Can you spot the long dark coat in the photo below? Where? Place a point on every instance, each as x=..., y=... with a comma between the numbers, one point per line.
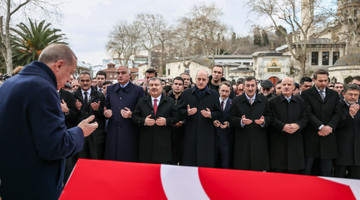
x=122, y=135
x=95, y=143
x=155, y=141
x=319, y=113
x=34, y=141
x=287, y=150
x=251, y=141
x=348, y=137
x=199, y=131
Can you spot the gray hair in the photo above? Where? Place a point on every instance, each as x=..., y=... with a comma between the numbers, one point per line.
x=56, y=52
x=351, y=87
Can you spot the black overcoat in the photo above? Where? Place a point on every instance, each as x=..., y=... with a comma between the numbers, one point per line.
x=199, y=136
x=348, y=137
x=319, y=113
x=251, y=141
x=155, y=141
x=287, y=150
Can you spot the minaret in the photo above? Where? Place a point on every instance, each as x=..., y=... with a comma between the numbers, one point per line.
x=307, y=17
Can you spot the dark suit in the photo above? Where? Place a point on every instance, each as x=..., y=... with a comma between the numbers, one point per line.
x=224, y=139
x=286, y=150
x=199, y=141
x=348, y=137
x=319, y=113
x=155, y=141
x=177, y=136
x=94, y=144
x=34, y=141
x=250, y=141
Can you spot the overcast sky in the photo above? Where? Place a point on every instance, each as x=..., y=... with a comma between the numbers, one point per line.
x=87, y=23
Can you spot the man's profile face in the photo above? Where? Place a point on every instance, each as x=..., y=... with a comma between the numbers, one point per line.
x=100, y=80
x=85, y=82
x=250, y=87
x=65, y=70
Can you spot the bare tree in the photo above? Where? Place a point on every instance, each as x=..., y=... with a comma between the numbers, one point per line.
x=287, y=13
x=151, y=29
x=123, y=41
x=9, y=8
x=202, y=31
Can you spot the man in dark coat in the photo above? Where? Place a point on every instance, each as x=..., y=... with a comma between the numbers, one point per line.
x=34, y=141
x=216, y=78
x=68, y=107
x=250, y=116
x=223, y=133
x=122, y=135
x=155, y=114
x=348, y=135
x=178, y=129
x=200, y=106
x=285, y=139
x=91, y=102
x=319, y=136
x=266, y=89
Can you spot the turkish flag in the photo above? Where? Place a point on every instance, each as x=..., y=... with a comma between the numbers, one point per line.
x=93, y=179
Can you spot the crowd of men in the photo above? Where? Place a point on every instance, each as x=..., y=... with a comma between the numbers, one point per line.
x=306, y=128
x=310, y=128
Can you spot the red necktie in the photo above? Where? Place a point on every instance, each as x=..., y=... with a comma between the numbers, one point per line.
x=155, y=106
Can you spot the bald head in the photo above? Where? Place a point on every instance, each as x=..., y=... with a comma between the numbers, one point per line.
x=202, y=79
x=56, y=52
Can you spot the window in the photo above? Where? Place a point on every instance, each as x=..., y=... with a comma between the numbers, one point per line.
x=325, y=58
x=168, y=71
x=314, y=58
x=336, y=56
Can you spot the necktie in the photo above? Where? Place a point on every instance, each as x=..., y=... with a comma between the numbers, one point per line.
x=222, y=105
x=251, y=101
x=322, y=94
x=85, y=98
x=155, y=106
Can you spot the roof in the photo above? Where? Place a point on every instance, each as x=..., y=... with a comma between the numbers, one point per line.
x=350, y=59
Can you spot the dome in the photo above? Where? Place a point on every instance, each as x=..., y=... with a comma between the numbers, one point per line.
x=351, y=59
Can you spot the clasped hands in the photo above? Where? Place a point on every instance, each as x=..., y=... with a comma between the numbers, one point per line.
x=247, y=121
x=160, y=121
x=325, y=131
x=291, y=128
x=192, y=111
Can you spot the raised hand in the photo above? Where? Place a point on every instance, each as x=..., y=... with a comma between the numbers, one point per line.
x=95, y=105
x=206, y=113
x=107, y=113
x=191, y=111
x=149, y=121
x=78, y=104
x=126, y=113
x=64, y=107
x=88, y=127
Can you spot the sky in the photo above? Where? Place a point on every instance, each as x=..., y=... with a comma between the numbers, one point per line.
x=87, y=23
